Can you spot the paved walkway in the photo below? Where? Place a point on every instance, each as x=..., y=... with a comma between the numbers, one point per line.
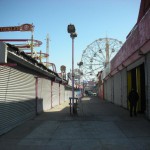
x=100, y=125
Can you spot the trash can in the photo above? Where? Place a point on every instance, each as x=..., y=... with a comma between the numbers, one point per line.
x=73, y=105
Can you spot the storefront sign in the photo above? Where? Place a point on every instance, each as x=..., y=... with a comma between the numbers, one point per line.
x=24, y=27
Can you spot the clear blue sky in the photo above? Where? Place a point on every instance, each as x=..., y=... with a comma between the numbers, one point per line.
x=93, y=19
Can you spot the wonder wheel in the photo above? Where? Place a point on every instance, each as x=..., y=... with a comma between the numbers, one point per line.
x=97, y=56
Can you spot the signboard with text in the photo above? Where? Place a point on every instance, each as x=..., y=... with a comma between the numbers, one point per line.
x=24, y=27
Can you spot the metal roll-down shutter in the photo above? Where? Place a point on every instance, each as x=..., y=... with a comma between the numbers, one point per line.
x=117, y=88
x=55, y=94
x=17, y=97
x=44, y=94
x=62, y=94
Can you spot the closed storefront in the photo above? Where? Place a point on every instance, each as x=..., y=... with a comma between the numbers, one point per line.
x=62, y=93
x=55, y=94
x=112, y=89
x=130, y=68
x=124, y=88
x=109, y=89
x=117, y=88
x=101, y=91
x=68, y=93
x=17, y=97
x=147, y=75
x=44, y=93
x=105, y=90
x=26, y=87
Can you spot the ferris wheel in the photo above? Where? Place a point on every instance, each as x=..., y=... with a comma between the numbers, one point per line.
x=97, y=55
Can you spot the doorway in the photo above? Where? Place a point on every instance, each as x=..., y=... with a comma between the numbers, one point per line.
x=136, y=80
x=142, y=88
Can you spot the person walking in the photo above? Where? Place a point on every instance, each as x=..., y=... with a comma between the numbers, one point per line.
x=133, y=99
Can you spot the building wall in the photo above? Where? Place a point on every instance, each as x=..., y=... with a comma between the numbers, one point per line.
x=101, y=91
x=23, y=94
x=112, y=89
x=107, y=85
x=44, y=94
x=117, y=88
x=105, y=90
x=147, y=75
x=131, y=67
x=62, y=93
x=119, y=85
x=124, y=88
x=55, y=94
x=17, y=97
x=68, y=93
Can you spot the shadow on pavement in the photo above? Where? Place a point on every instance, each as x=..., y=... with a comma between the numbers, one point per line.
x=98, y=125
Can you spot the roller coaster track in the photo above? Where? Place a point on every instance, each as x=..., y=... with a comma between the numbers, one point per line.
x=27, y=45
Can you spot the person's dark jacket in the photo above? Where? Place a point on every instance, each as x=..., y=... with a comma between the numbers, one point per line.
x=133, y=97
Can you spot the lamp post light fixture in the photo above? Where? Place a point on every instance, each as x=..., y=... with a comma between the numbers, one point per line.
x=71, y=29
x=63, y=71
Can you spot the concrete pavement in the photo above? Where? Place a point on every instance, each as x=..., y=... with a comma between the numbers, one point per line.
x=100, y=125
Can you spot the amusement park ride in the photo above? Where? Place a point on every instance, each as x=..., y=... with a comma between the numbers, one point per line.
x=97, y=56
x=29, y=44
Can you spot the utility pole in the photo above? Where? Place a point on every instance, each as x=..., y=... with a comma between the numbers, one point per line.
x=47, y=49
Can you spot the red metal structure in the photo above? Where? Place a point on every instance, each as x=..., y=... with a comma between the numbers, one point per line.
x=26, y=45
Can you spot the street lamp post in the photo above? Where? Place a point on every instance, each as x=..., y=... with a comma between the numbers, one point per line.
x=71, y=30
